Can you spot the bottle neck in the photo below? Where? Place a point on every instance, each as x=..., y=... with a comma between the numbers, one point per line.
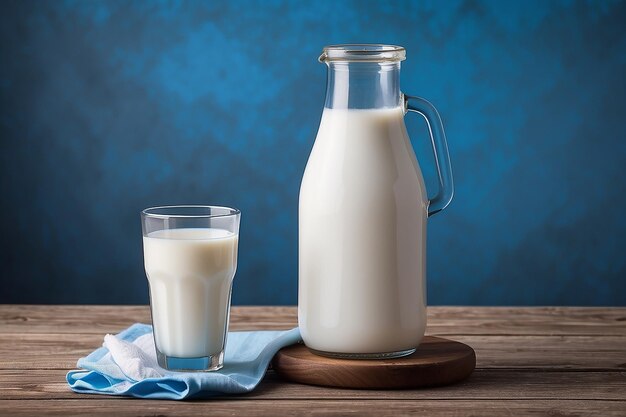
x=363, y=85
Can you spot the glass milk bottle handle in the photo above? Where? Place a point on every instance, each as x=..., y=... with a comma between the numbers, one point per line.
x=440, y=150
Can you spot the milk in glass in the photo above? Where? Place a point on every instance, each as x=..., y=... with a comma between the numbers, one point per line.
x=190, y=272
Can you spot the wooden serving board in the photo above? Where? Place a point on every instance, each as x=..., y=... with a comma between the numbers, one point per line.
x=436, y=362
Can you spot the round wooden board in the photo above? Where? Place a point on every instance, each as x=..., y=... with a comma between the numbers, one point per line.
x=436, y=361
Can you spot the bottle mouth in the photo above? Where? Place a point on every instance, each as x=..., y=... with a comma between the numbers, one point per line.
x=362, y=53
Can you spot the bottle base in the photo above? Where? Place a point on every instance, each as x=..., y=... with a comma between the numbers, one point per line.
x=383, y=355
x=200, y=364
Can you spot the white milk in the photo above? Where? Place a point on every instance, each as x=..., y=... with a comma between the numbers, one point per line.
x=362, y=237
x=190, y=273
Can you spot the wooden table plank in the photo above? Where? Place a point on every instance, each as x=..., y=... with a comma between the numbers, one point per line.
x=62, y=350
x=442, y=321
x=112, y=319
x=360, y=407
x=483, y=384
x=526, y=321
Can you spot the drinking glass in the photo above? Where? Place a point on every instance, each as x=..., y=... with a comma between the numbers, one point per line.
x=190, y=257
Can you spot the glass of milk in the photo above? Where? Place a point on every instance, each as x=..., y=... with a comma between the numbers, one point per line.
x=190, y=256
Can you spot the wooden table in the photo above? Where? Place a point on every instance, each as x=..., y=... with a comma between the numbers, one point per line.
x=547, y=360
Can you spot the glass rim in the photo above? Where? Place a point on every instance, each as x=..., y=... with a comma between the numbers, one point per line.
x=363, y=52
x=148, y=212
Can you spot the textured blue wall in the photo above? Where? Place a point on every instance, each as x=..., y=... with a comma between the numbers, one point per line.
x=108, y=107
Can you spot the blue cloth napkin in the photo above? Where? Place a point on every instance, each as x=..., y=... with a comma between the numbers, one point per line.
x=245, y=361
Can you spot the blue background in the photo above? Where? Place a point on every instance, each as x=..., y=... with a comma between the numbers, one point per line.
x=110, y=107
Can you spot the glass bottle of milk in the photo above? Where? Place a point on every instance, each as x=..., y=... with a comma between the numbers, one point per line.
x=363, y=209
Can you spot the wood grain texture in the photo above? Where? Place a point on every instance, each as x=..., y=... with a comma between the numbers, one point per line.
x=530, y=361
x=361, y=407
x=436, y=362
x=62, y=350
x=442, y=321
x=482, y=384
